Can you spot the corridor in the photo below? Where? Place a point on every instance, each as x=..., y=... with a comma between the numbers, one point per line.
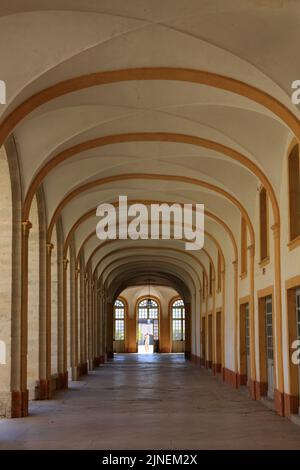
x=149, y=224
x=157, y=401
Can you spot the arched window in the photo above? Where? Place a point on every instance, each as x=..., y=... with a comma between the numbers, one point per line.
x=263, y=209
x=178, y=320
x=294, y=192
x=119, y=320
x=148, y=310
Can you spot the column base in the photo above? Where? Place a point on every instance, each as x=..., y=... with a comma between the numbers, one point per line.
x=99, y=360
x=62, y=381
x=279, y=402
x=230, y=377
x=261, y=390
x=242, y=379
x=19, y=403
x=82, y=369
x=216, y=368
x=196, y=360
x=252, y=389
x=202, y=361
x=44, y=389
x=291, y=405
x=208, y=364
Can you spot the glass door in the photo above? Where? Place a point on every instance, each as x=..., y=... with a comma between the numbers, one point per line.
x=148, y=328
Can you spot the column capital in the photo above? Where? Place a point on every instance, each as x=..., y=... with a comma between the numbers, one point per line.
x=251, y=249
x=65, y=263
x=26, y=226
x=77, y=272
x=50, y=247
x=276, y=230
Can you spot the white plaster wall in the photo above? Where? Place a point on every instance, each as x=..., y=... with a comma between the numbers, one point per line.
x=6, y=273
x=290, y=259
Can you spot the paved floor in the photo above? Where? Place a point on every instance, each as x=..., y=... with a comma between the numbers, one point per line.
x=150, y=402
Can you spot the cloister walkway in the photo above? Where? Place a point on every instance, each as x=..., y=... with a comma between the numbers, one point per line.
x=149, y=402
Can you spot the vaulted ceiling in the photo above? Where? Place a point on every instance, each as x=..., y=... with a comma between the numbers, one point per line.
x=151, y=76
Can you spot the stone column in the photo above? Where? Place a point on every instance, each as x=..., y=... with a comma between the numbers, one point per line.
x=93, y=322
x=45, y=331
x=83, y=363
x=214, y=326
x=64, y=376
x=90, y=326
x=74, y=316
x=62, y=381
x=20, y=397
x=236, y=321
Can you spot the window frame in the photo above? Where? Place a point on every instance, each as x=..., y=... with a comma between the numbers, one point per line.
x=180, y=319
x=118, y=319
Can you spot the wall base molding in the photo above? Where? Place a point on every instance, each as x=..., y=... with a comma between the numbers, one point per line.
x=216, y=368
x=242, y=380
x=5, y=404
x=196, y=359
x=284, y=404
x=279, y=402
x=291, y=405
x=230, y=377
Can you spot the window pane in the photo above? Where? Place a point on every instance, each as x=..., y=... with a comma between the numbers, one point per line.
x=119, y=330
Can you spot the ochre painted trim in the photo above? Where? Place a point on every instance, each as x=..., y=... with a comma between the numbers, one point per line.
x=292, y=282
x=148, y=176
x=294, y=243
x=264, y=262
x=151, y=137
x=265, y=292
x=244, y=300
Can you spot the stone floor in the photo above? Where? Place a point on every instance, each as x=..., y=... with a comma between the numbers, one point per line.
x=150, y=402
